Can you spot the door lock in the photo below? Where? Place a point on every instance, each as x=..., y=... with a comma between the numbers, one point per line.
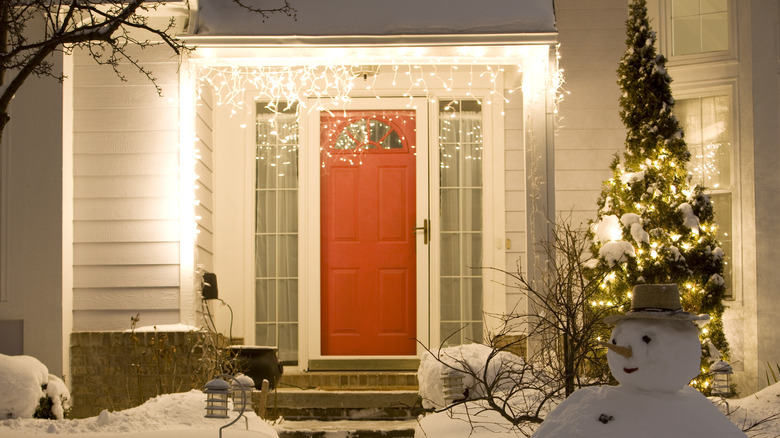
x=426, y=231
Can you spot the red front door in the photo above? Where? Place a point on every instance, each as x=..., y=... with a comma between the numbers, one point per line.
x=368, y=242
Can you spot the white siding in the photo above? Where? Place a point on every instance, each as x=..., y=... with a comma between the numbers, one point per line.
x=588, y=130
x=514, y=169
x=126, y=194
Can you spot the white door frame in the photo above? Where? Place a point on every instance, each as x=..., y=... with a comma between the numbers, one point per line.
x=310, y=220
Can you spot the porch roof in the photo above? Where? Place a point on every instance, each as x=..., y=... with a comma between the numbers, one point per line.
x=377, y=22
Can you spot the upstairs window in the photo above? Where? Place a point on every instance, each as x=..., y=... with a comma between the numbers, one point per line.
x=699, y=26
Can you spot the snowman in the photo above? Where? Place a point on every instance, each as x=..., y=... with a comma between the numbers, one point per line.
x=654, y=352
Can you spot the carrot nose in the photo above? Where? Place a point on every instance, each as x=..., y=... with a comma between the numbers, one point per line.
x=623, y=351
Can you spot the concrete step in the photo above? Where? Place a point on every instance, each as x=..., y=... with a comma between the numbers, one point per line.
x=311, y=404
x=346, y=428
x=351, y=380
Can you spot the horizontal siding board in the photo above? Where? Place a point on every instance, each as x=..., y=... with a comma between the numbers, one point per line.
x=205, y=176
x=206, y=156
x=126, y=298
x=204, y=198
x=515, y=221
x=126, y=253
x=203, y=124
x=514, y=160
x=591, y=139
x=515, y=180
x=150, y=55
x=86, y=75
x=135, y=186
x=206, y=218
x=119, y=320
x=128, y=142
x=125, y=96
x=515, y=200
x=91, y=231
x=205, y=239
x=582, y=159
x=126, y=208
x=149, y=119
x=204, y=258
x=126, y=276
x=581, y=179
x=576, y=200
x=158, y=163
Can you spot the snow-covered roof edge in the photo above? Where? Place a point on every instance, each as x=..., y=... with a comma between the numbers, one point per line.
x=371, y=21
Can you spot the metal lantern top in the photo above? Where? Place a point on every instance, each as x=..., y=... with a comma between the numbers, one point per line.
x=217, y=391
x=243, y=386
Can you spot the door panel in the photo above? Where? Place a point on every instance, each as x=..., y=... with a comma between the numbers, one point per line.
x=368, y=256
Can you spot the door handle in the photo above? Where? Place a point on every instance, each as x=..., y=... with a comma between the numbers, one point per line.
x=426, y=231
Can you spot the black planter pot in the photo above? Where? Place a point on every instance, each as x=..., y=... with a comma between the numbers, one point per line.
x=258, y=363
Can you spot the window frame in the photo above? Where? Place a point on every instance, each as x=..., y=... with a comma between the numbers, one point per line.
x=666, y=44
x=727, y=88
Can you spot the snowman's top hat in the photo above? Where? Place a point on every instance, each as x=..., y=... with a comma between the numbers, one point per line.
x=656, y=301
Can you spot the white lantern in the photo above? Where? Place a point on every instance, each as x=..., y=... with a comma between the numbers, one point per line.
x=721, y=378
x=217, y=391
x=242, y=393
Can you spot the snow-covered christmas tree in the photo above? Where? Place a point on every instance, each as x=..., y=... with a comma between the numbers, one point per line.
x=652, y=226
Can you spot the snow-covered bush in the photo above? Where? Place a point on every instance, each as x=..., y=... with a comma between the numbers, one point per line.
x=30, y=391
x=472, y=359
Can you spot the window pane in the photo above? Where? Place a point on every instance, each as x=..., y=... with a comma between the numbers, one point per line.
x=714, y=32
x=472, y=211
x=682, y=8
x=288, y=343
x=450, y=165
x=288, y=300
x=451, y=333
x=686, y=34
x=287, y=262
x=265, y=334
x=472, y=298
x=265, y=301
x=709, y=6
x=450, y=209
x=450, y=299
x=265, y=204
x=265, y=255
x=450, y=254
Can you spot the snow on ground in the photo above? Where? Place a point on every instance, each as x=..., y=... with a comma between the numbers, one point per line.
x=488, y=424
x=180, y=415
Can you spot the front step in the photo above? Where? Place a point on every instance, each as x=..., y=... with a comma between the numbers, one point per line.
x=348, y=428
x=311, y=404
x=351, y=380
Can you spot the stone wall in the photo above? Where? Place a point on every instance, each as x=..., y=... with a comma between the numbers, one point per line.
x=119, y=370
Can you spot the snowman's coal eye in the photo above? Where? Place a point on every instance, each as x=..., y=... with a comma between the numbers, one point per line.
x=614, y=341
x=646, y=339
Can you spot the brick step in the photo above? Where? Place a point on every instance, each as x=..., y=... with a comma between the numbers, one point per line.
x=351, y=380
x=346, y=428
x=297, y=404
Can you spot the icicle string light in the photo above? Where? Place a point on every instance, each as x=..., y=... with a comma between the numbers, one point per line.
x=318, y=87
